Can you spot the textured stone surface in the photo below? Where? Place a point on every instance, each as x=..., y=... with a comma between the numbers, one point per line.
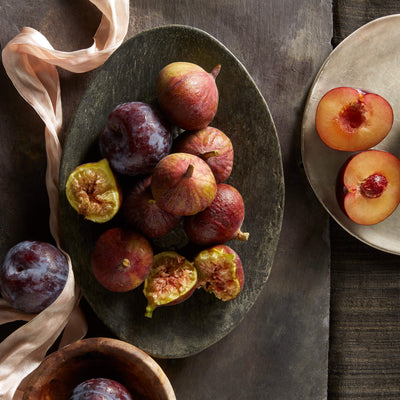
x=130, y=75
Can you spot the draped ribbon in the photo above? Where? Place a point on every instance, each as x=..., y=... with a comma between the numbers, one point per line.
x=31, y=63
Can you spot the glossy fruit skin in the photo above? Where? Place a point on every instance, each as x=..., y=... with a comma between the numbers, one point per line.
x=220, y=271
x=93, y=191
x=210, y=144
x=350, y=119
x=134, y=138
x=188, y=95
x=121, y=259
x=172, y=280
x=100, y=389
x=141, y=212
x=33, y=275
x=221, y=221
x=183, y=184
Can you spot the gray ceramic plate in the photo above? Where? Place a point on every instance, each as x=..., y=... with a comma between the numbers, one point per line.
x=368, y=59
x=130, y=74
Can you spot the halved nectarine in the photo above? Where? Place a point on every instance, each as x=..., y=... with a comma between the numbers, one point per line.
x=369, y=186
x=350, y=119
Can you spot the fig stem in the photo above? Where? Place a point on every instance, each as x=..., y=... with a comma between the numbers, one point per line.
x=189, y=171
x=125, y=263
x=242, y=236
x=149, y=311
x=208, y=154
x=215, y=71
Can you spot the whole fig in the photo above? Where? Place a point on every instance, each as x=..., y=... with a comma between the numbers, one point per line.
x=219, y=222
x=121, y=259
x=183, y=184
x=210, y=144
x=188, y=94
x=134, y=138
x=140, y=211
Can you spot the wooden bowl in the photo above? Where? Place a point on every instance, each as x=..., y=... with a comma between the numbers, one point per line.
x=63, y=370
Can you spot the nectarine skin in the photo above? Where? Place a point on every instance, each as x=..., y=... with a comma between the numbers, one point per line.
x=369, y=186
x=349, y=119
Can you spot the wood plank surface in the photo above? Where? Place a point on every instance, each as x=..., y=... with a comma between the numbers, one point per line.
x=280, y=350
x=364, y=356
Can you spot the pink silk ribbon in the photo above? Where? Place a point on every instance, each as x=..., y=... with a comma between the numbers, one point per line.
x=31, y=63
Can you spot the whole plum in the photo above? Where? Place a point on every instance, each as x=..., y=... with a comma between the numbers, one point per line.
x=100, y=389
x=33, y=275
x=134, y=138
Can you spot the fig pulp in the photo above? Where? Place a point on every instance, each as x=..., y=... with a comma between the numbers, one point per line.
x=219, y=222
x=210, y=144
x=93, y=191
x=121, y=259
x=135, y=138
x=183, y=184
x=100, y=389
x=140, y=211
x=33, y=275
x=188, y=95
x=220, y=271
x=172, y=279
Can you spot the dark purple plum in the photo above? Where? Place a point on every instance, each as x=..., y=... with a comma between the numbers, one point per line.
x=32, y=275
x=100, y=389
x=134, y=138
x=140, y=211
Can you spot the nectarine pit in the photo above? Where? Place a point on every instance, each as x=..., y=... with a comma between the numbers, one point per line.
x=374, y=186
x=352, y=116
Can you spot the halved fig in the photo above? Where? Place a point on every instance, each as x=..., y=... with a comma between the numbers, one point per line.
x=220, y=272
x=93, y=191
x=172, y=279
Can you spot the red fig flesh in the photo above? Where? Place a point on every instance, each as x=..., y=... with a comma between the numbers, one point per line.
x=220, y=271
x=188, y=94
x=219, y=222
x=183, y=184
x=172, y=280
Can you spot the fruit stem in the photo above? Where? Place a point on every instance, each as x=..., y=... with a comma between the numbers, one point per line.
x=189, y=171
x=149, y=311
x=215, y=71
x=124, y=264
x=243, y=236
x=208, y=154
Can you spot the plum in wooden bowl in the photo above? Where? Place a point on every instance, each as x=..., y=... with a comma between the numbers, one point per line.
x=109, y=359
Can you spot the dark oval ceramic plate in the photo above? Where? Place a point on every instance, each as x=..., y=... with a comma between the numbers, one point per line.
x=130, y=75
x=367, y=59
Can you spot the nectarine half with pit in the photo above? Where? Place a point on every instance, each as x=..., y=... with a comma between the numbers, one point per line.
x=350, y=119
x=369, y=186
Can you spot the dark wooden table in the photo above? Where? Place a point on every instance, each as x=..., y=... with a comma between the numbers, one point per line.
x=284, y=349
x=364, y=354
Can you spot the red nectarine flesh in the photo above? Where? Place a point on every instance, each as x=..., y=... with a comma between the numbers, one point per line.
x=370, y=186
x=350, y=119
